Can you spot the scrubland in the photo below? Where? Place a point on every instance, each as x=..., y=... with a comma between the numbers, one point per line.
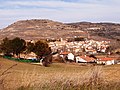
x=58, y=76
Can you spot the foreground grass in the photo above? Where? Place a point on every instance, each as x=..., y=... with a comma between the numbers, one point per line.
x=58, y=76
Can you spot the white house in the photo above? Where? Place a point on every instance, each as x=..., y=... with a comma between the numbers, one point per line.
x=84, y=59
x=69, y=55
x=106, y=61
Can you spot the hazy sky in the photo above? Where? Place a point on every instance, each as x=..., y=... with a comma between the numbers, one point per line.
x=59, y=10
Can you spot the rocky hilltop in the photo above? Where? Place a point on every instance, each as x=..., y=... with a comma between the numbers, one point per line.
x=45, y=29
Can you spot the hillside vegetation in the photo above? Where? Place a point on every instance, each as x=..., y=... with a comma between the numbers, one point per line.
x=42, y=29
x=38, y=29
x=59, y=76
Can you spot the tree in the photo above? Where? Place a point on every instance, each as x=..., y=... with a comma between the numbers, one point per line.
x=18, y=45
x=79, y=39
x=30, y=47
x=14, y=46
x=6, y=46
x=41, y=49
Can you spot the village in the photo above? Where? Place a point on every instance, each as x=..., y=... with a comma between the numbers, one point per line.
x=86, y=51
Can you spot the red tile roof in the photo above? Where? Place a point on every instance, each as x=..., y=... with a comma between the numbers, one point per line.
x=106, y=59
x=87, y=58
x=64, y=53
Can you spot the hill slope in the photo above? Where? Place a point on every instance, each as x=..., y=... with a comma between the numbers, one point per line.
x=105, y=30
x=42, y=29
x=37, y=29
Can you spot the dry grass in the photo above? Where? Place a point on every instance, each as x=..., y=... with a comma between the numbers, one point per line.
x=58, y=76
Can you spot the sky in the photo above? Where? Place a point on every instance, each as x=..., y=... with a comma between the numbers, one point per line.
x=59, y=10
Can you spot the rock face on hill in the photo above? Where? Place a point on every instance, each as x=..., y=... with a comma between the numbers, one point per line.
x=45, y=29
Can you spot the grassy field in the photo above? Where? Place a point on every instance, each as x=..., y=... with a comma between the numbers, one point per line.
x=59, y=76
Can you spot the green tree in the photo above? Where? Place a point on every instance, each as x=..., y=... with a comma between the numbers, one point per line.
x=5, y=46
x=18, y=45
x=43, y=51
x=41, y=48
x=30, y=47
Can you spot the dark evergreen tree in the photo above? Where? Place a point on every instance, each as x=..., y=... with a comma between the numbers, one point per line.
x=30, y=47
x=18, y=45
x=5, y=46
x=41, y=49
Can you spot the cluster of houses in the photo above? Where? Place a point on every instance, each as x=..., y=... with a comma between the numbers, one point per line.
x=88, y=59
x=87, y=46
x=69, y=51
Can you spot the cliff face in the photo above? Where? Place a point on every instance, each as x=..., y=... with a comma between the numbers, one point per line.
x=43, y=29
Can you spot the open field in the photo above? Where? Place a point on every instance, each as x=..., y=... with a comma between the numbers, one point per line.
x=59, y=76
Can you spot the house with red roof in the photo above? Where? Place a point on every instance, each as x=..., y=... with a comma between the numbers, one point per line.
x=67, y=56
x=106, y=61
x=85, y=59
x=64, y=53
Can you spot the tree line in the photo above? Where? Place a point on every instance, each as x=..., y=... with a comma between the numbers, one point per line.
x=16, y=46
